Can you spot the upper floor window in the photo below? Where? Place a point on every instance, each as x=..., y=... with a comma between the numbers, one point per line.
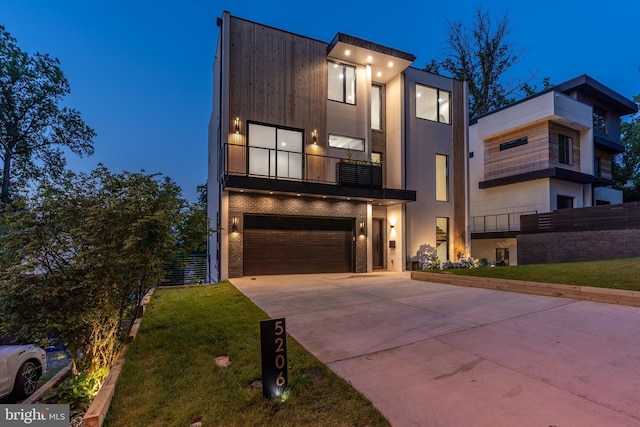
x=433, y=104
x=442, y=178
x=597, y=167
x=376, y=107
x=342, y=83
x=275, y=152
x=599, y=119
x=346, y=142
x=565, y=144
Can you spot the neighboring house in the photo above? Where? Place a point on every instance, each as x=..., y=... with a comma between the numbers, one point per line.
x=553, y=150
x=330, y=157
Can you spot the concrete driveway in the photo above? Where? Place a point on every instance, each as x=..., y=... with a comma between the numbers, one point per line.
x=429, y=354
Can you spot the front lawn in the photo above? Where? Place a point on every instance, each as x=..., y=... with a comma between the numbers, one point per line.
x=615, y=273
x=170, y=377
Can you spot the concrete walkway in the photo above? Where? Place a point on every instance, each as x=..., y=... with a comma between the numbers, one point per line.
x=429, y=354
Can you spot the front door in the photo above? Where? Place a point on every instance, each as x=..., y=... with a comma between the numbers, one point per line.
x=378, y=243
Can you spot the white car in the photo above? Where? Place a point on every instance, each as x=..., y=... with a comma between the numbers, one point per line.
x=20, y=368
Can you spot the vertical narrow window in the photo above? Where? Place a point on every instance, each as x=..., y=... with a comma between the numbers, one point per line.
x=342, y=82
x=597, y=167
x=442, y=238
x=376, y=107
x=442, y=178
x=433, y=104
x=599, y=119
x=565, y=144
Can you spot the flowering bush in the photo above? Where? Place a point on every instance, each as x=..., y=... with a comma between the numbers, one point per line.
x=432, y=262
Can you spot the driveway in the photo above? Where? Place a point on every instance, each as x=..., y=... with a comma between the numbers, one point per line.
x=429, y=354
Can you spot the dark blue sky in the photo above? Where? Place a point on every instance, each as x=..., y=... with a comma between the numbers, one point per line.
x=140, y=71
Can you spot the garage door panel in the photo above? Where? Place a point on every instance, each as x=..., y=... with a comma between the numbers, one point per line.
x=296, y=251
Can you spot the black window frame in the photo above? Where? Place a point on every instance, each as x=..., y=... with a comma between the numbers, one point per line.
x=565, y=149
x=599, y=119
x=344, y=83
x=438, y=90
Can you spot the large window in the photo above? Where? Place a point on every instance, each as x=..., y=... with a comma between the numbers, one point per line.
x=342, y=83
x=275, y=152
x=599, y=119
x=376, y=107
x=565, y=144
x=346, y=142
x=442, y=238
x=564, y=202
x=442, y=178
x=433, y=104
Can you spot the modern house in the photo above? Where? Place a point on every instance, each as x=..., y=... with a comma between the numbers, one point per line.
x=330, y=156
x=553, y=150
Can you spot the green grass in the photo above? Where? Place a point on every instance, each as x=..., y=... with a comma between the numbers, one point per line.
x=616, y=273
x=170, y=377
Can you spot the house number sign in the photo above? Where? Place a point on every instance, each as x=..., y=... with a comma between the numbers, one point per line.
x=273, y=340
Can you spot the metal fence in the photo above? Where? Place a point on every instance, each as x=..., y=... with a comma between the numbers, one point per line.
x=188, y=269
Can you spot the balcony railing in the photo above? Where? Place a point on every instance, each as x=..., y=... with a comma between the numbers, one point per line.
x=259, y=162
x=497, y=223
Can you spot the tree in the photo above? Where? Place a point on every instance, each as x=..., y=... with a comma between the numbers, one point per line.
x=81, y=254
x=626, y=166
x=33, y=127
x=481, y=55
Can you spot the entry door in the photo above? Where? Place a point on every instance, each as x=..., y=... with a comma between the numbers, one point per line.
x=378, y=244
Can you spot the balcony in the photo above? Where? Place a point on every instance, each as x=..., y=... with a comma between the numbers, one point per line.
x=267, y=169
x=497, y=225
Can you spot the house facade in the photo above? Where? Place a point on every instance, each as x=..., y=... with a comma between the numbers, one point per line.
x=330, y=156
x=551, y=151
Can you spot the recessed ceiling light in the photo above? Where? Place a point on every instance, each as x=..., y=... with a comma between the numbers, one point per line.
x=390, y=64
x=347, y=52
x=379, y=74
x=369, y=58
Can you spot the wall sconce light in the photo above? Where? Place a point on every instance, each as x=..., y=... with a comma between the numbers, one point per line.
x=362, y=229
x=234, y=224
x=392, y=226
x=236, y=124
x=314, y=137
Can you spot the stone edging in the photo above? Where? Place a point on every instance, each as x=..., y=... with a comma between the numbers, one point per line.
x=605, y=295
x=98, y=410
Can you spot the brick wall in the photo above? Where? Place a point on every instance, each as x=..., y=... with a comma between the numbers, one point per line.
x=240, y=204
x=578, y=246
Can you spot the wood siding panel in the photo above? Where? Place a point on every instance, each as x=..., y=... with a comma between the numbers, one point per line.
x=280, y=79
x=530, y=157
x=459, y=166
x=605, y=163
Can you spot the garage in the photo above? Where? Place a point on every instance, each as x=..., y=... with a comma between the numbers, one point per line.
x=277, y=244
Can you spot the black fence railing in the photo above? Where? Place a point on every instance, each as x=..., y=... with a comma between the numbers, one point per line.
x=188, y=269
x=497, y=222
x=240, y=160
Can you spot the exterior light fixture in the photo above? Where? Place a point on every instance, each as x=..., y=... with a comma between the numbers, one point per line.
x=234, y=224
x=314, y=137
x=362, y=229
x=392, y=226
x=236, y=124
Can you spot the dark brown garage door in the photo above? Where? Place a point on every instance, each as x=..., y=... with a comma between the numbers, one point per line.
x=292, y=244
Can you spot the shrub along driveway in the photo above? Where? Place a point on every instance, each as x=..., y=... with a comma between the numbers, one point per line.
x=431, y=354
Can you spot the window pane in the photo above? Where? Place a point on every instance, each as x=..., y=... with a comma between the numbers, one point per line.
x=442, y=238
x=426, y=103
x=262, y=141
x=376, y=107
x=350, y=84
x=336, y=83
x=445, y=106
x=442, y=178
x=262, y=136
x=289, y=161
x=346, y=142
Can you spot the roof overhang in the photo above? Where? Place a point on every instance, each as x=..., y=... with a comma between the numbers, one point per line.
x=385, y=62
x=557, y=173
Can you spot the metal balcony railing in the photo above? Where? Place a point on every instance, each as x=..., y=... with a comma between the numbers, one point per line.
x=497, y=222
x=259, y=162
